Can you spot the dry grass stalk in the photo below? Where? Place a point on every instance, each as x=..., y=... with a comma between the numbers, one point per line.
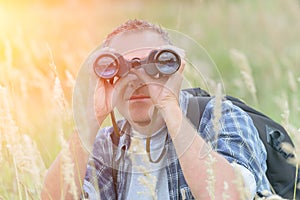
x=294, y=134
x=26, y=158
x=67, y=168
x=61, y=105
x=34, y=164
x=146, y=179
x=70, y=79
x=210, y=162
x=211, y=179
x=292, y=81
x=207, y=147
x=59, y=97
x=58, y=92
x=224, y=193
x=217, y=113
x=17, y=178
x=149, y=181
x=242, y=62
x=217, y=109
x=286, y=113
x=8, y=128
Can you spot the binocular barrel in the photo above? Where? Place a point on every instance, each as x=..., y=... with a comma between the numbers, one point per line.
x=108, y=65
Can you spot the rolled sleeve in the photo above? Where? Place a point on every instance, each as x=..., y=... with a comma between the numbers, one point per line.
x=248, y=179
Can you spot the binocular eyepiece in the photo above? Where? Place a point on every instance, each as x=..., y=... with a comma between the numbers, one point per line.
x=108, y=65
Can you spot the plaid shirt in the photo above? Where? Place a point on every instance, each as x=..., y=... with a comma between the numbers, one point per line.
x=237, y=140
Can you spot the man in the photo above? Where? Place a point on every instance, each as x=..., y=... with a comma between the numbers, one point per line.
x=178, y=164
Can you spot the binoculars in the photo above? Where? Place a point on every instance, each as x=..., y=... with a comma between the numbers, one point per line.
x=108, y=65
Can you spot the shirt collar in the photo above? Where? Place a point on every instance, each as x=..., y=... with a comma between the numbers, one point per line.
x=125, y=140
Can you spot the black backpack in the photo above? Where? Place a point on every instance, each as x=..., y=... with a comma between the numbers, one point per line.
x=280, y=173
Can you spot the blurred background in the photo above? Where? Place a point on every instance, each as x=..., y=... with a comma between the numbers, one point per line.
x=254, y=44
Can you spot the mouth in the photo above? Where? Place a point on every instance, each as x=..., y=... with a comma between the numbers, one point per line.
x=139, y=94
x=139, y=97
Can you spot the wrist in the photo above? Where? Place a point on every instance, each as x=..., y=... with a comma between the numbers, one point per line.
x=172, y=115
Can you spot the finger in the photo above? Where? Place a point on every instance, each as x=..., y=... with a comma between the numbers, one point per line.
x=101, y=86
x=103, y=103
x=102, y=93
x=120, y=87
x=182, y=66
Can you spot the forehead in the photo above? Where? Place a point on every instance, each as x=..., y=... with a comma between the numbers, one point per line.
x=137, y=39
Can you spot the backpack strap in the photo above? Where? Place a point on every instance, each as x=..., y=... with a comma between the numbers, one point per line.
x=115, y=165
x=121, y=127
x=196, y=107
x=196, y=104
x=115, y=138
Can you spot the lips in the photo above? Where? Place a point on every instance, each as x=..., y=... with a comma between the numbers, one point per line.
x=140, y=93
x=139, y=97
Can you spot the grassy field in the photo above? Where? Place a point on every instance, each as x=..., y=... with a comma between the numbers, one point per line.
x=43, y=44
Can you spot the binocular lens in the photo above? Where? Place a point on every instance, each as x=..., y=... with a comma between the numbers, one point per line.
x=106, y=66
x=167, y=62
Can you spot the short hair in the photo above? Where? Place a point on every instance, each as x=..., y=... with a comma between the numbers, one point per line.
x=136, y=24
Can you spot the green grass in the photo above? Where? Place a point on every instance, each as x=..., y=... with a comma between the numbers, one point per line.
x=34, y=35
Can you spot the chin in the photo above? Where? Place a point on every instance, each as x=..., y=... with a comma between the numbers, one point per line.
x=142, y=123
x=140, y=119
x=139, y=112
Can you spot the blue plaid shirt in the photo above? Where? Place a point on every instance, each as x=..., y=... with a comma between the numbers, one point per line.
x=238, y=141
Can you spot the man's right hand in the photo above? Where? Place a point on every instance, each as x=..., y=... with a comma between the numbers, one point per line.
x=103, y=100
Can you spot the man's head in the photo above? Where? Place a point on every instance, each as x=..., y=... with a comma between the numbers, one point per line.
x=136, y=39
x=136, y=25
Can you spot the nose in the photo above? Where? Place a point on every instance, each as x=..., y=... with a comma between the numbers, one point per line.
x=135, y=83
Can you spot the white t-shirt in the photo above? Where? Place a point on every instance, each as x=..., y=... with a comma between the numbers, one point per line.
x=147, y=180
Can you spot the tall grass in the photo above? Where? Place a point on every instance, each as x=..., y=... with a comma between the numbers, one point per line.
x=42, y=47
